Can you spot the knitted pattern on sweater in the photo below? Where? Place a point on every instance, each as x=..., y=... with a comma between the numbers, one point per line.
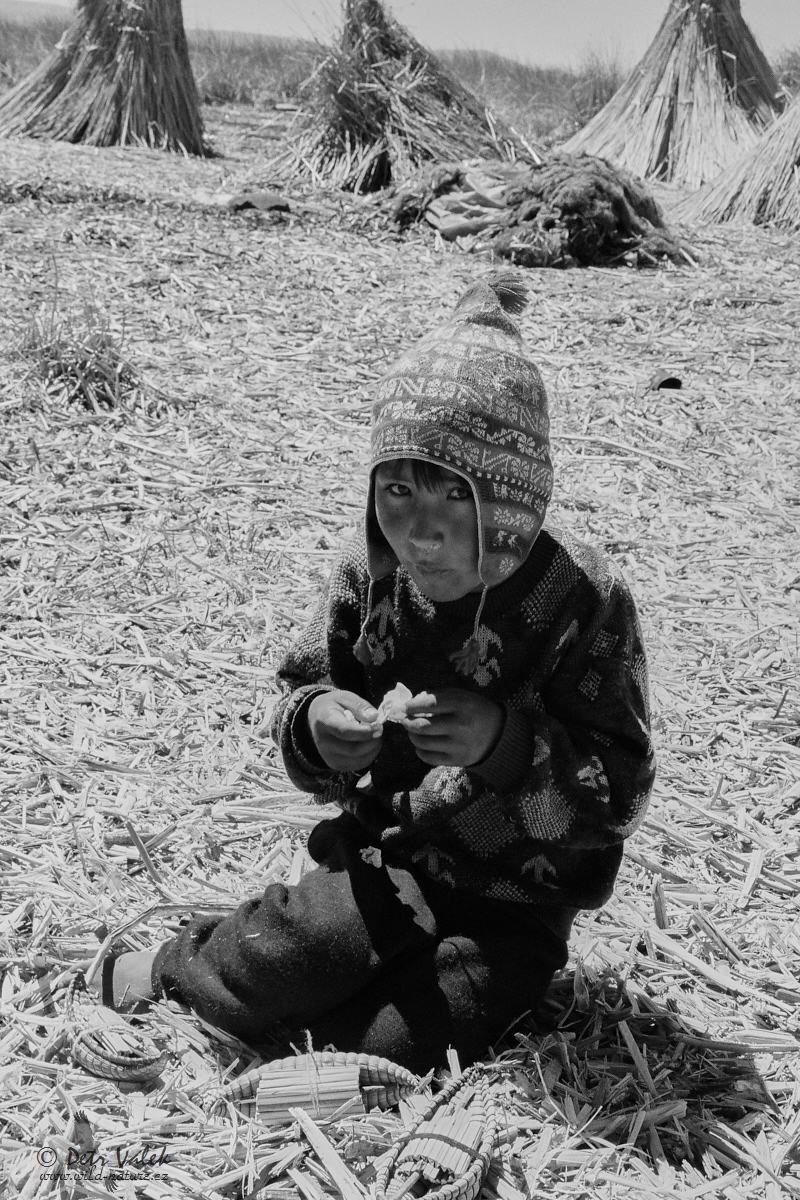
x=543, y=818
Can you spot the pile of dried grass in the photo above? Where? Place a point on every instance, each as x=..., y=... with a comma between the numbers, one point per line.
x=762, y=186
x=700, y=96
x=570, y=211
x=380, y=105
x=81, y=364
x=120, y=75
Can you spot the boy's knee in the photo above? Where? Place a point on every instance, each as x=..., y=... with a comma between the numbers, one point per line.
x=462, y=970
x=333, y=842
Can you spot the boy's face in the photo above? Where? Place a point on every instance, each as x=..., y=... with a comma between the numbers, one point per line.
x=433, y=533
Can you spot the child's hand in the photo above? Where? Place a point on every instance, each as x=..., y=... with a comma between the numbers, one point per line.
x=454, y=728
x=346, y=730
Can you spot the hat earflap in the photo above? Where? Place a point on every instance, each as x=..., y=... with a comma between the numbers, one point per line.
x=362, y=650
x=467, y=660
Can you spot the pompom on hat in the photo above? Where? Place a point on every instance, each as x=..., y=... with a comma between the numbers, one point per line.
x=468, y=398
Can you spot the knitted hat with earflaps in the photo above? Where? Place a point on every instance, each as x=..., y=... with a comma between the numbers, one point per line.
x=468, y=398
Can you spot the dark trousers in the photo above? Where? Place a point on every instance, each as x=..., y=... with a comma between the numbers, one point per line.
x=366, y=957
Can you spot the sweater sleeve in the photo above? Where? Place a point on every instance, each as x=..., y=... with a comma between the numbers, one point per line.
x=307, y=670
x=574, y=766
x=593, y=765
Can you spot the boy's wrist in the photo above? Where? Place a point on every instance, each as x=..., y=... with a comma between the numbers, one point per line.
x=509, y=761
x=303, y=742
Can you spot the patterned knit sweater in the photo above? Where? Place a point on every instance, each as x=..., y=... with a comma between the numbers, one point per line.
x=542, y=819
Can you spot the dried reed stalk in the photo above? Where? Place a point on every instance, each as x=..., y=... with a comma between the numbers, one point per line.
x=763, y=186
x=700, y=96
x=120, y=75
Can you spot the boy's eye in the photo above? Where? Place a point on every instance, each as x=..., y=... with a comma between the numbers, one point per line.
x=398, y=489
x=460, y=493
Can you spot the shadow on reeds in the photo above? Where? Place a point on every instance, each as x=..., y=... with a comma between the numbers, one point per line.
x=627, y=1070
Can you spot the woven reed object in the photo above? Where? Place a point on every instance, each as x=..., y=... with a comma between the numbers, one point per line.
x=319, y=1090
x=446, y=1152
x=382, y=1083
x=104, y=1043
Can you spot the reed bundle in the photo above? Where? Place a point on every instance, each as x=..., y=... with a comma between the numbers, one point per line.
x=120, y=75
x=763, y=186
x=444, y=1154
x=380, y=105
x=382, y=1083
x=701, y=96
x=445, y=1146
x=321, y=1090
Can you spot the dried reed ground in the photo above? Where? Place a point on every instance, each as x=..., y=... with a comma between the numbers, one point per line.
x=154, y=567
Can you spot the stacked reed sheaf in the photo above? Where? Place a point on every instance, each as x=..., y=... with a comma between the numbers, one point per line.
x=120, y=75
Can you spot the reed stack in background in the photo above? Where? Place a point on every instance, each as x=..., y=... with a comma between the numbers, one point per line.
x=700, y=97
x=761, y=186
x=120, y=75
x=380, y=105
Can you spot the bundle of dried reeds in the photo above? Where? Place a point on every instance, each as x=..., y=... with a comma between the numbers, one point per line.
x=701, y=95
x=322, y=1091
x=120, y=75
x=380, y=105
x=762, y=186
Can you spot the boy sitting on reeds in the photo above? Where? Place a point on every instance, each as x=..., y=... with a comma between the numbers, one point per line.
x=479, y=822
